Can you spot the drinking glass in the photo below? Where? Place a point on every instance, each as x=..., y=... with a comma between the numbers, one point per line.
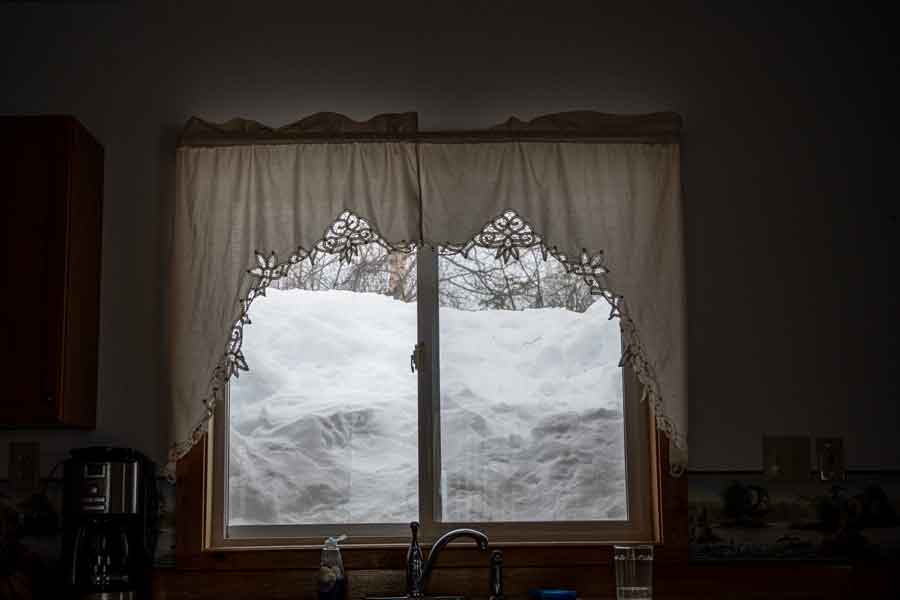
x=634, y=572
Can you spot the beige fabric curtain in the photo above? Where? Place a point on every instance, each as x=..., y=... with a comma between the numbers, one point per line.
x=274, y=191
x=232, y=201
x=619, y=199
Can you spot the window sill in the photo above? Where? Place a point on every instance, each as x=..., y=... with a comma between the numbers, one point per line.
x=192, y=523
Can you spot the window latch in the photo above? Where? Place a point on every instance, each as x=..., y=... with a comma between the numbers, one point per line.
x=415, y=359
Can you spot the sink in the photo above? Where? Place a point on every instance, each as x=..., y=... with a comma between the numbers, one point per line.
x=428, y=597
x=418, y=570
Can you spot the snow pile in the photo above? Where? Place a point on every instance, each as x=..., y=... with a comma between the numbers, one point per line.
x=323, y=427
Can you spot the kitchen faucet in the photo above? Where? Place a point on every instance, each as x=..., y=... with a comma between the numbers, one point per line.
x=417, y=570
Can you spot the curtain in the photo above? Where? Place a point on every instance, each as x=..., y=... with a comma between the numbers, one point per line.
x=250, y=200
x=242, y=206
x=616, y=203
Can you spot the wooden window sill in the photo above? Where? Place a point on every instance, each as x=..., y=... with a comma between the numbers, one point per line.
x=191, y=517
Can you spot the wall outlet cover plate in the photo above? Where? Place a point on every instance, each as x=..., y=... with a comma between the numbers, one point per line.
x=24, y=466
x=830, y=458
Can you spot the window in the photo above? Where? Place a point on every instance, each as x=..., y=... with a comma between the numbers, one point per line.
x=456, y=386
x=515, y=417
x=531, y=402
x=323, y=429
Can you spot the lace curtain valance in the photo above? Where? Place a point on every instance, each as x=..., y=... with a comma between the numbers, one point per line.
x=600, y=198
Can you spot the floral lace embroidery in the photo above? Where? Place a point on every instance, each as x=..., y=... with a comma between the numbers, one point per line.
x=506, y=234
x=350, y=231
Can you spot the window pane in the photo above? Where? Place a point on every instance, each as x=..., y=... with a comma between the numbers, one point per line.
x=532, y=422
x=324, y=426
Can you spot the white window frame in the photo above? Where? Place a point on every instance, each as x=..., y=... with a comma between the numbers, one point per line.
x=642, y=471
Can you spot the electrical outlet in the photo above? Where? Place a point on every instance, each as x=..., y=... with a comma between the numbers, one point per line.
x=830, y=458
x=24, y=466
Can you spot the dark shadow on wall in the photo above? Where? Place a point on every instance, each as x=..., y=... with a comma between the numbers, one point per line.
x=166, y=157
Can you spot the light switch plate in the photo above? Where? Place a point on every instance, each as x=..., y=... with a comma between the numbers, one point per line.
x=24, y=466
x=786, y=457
x=830, y=458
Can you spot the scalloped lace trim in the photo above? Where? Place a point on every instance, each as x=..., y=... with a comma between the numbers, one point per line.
x=506, y=234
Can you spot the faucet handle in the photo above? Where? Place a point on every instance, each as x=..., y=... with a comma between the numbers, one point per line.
x=414, y=564
x=497, y=557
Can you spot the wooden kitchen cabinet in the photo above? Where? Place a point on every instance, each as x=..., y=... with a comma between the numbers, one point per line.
x=52, y=187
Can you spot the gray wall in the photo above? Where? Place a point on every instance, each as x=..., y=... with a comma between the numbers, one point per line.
x=788, y=281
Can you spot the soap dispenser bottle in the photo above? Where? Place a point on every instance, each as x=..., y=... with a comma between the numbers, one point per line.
x=331, y=579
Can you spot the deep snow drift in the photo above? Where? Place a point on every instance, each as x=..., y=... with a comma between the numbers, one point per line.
x=323, y=427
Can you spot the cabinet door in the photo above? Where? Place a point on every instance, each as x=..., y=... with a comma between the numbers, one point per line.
x=34, y=158
x=78, y=375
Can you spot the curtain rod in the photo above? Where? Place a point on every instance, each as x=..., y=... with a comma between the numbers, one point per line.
x=431, y=137
x=575, y=127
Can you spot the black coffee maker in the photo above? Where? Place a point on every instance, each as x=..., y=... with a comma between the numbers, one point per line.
x=109, y=523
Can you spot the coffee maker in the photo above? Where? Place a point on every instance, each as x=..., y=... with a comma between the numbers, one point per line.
x=109, y=523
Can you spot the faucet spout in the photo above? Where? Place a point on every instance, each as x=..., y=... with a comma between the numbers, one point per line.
x=480, y=539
